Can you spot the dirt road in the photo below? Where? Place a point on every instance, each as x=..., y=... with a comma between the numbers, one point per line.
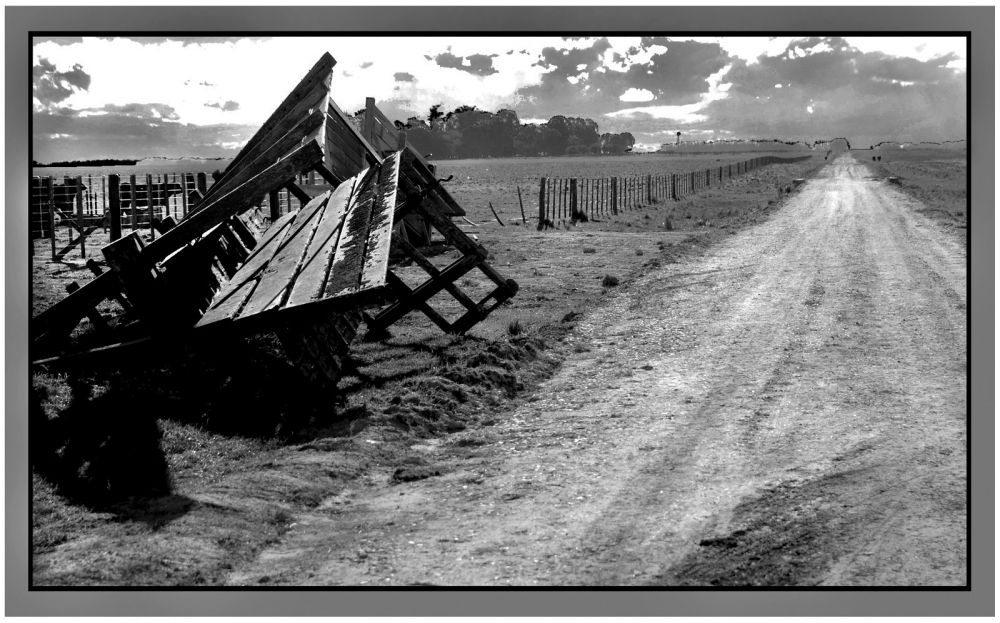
x=789, y=409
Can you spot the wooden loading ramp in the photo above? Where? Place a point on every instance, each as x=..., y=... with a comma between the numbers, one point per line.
x=312, y=276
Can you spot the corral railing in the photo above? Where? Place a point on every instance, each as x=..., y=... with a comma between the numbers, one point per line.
x=69, y=209
x=562, y=199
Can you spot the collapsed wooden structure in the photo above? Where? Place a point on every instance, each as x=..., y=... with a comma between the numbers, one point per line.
x=311, y=276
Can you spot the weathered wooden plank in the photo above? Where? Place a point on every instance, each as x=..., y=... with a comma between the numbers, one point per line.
x=230, y=300
x=300, y=194
x=336, y=112
x=320, y=73
x=417, y=169
x=340, y=162
x=380, y=230
x=271, y=153
x=96, y=319
x=234, y=202
x=137, y=277
x=316, y=266
x=348, y=261
x=369, y=126
x=283, y=268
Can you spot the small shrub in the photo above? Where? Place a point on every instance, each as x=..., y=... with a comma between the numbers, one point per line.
x=589, y=250
x=638, y=252
x=609, y=281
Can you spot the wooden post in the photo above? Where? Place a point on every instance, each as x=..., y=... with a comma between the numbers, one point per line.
x=166, y=191
x=149, y=201
x=673, y=186
x=614, y=195
x=565, y=199
x=541, y=204
x=495, y=215
x=115, y=205
x=275, y=203
x=521, y=203
x=201, y=183
x=134, y=194
x=52, y=214
x=80, y=217
x=104, y=203
x=369, y=128
x=184, y=194
x=572, y=198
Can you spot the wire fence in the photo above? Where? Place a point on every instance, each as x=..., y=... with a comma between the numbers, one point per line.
x=561, y=199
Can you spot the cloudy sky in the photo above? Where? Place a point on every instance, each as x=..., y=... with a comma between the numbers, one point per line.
x=205, y=96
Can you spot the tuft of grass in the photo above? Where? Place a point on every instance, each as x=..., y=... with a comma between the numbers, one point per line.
x=515, y=328
x=589, y=250
x=609, y=281
x=638, y=252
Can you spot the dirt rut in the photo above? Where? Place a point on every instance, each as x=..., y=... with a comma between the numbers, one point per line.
x=789, y=409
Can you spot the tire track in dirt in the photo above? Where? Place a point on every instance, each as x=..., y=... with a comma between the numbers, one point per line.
x=788, y=409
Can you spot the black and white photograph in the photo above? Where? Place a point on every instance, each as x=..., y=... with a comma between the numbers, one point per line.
x=658, y=310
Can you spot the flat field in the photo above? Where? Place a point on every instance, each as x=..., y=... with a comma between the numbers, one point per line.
x=220, y=464
x=497, y=180
x=938, y=178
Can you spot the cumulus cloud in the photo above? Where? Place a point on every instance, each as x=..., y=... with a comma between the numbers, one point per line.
x=52, y=86
x=476, y=64
x=402, y=76
x=229, y=106
x=636, y=95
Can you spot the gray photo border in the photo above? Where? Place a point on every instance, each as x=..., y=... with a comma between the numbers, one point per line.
x=980, y=21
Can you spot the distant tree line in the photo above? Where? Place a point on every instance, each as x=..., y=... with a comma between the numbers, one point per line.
x=467, y=132
x=107, y=162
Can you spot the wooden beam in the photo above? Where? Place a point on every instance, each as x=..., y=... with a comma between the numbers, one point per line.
x=234, y=202
x=424, y=292
x=300, y=194
x=320, y=73
x=72, y=308
x=270, y=154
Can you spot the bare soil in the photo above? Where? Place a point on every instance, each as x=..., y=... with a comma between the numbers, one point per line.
x=785, y=405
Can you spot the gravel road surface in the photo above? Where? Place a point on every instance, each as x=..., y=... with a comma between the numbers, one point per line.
x=787, y=409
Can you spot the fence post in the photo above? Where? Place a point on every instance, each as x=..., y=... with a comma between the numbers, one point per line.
x=614, y=195
x=115, y=205
x=275, y=205
x=133, y=218
x=166, y=191
x=541, y=205
x=80, y=217
x=184, y=193
x=572, y=199
x=149, y=202
x=52, y=214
